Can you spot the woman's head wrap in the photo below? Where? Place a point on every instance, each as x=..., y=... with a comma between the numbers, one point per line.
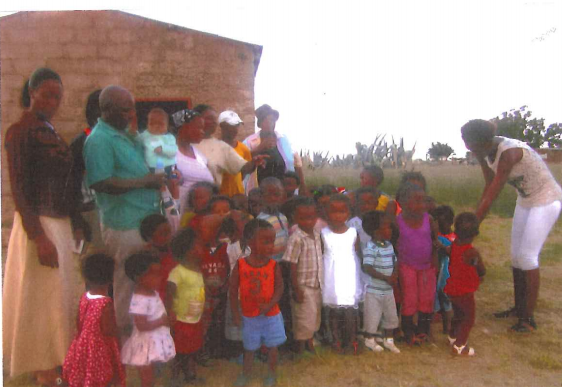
x=181, y=117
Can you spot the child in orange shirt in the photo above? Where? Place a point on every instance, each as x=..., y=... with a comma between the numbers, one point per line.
x=256, y=284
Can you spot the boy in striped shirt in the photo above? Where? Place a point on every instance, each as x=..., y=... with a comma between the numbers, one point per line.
x=379, y=263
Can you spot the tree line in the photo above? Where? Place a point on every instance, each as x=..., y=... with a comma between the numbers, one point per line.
x=518, y=124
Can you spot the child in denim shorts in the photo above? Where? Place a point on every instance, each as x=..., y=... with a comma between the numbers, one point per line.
x=256, y=285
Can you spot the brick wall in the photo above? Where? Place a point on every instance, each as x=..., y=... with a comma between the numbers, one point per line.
x=92, y=49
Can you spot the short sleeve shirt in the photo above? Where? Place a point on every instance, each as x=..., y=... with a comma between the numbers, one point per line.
x=232, y=183
x=189, y=301
x=221, y=158
x=149, y=306
x=281, y=227
x=305, y=251
x=109, y=153
x=379, y=255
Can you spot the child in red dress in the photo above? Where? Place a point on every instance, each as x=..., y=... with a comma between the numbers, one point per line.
x=466, y=269
x=215, y=268
x=93, y=358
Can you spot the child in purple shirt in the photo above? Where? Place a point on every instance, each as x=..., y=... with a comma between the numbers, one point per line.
x=417, y=261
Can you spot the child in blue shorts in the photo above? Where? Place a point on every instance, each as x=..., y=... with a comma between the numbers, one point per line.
x=256, y=285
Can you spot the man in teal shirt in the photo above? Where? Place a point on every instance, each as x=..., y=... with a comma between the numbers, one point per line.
x=126, y=192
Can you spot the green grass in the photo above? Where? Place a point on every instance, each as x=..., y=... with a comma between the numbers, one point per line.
x=459, y=186
x=550, y=255
x=546, y=362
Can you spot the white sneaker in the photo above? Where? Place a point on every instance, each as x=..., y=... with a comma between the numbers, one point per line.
x=463, y=350
x=389, y=344
x=372, y=345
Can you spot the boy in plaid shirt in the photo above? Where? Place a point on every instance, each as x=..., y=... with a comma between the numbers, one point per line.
x=304, y=254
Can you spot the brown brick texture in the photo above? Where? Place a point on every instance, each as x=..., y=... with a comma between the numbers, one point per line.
x=92, y=49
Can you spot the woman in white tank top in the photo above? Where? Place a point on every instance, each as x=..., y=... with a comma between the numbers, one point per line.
x=190, y=162
x=539, y=197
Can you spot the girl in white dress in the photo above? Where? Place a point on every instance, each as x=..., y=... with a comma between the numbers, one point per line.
x=150, y=341
x=342, y=266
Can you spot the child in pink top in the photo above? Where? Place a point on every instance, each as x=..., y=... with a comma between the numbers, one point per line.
x=417, y=260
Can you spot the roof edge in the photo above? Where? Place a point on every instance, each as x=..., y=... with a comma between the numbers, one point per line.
x=136, y=16
x=256, y=48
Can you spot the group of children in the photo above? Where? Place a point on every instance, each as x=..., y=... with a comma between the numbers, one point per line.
x=238, y=274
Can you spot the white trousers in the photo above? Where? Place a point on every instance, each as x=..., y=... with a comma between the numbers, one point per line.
x=529, y=231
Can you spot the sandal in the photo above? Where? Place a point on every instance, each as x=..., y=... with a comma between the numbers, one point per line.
x=524, y=325
x=336, y=347
x=413, y=341
x=51, y=378
x=463, y=350
x=512, y=312
x=355, y=346
x=422, y=338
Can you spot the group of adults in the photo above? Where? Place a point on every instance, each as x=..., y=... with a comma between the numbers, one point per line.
x=41, y=281
x=54, y=185
x=225, y=161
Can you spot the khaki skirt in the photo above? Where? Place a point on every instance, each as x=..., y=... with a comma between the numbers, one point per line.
x=39, y=303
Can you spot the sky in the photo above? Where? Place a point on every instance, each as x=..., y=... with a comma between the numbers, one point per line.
x=342, y=72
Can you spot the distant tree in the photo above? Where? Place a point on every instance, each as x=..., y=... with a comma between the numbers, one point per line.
x=439, y=151
x=519, y=124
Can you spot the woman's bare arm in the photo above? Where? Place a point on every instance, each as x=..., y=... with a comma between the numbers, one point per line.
x=507, y=160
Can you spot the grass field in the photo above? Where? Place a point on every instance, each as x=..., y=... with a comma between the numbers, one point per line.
x=459, y=186
x=502, y=358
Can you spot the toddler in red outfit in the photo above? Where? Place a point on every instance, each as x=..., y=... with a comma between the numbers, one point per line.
x=93, y=358
x=466, y=269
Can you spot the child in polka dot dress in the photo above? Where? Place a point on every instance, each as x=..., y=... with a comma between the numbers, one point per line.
x=150, y=341
x=93, y=357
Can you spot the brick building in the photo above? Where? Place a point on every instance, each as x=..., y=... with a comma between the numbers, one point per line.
x=92, y=49
x=551, y=155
